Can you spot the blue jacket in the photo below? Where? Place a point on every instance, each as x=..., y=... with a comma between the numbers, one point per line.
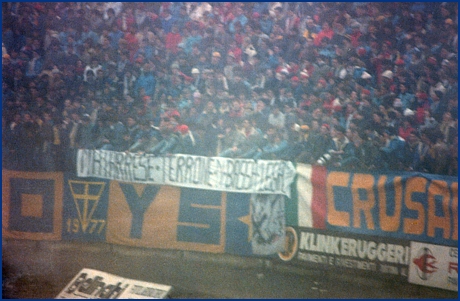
x=147, y=81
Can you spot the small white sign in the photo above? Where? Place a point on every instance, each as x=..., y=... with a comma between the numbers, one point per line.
x=94, y=284
x=433, y=265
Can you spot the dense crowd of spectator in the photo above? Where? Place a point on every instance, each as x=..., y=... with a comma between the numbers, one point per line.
x=353, y=85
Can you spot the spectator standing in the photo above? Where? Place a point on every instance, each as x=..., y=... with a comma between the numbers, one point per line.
x=276, y=118
x=29, y=143
x=393, y=149
x=47, y=135
x=169, y=141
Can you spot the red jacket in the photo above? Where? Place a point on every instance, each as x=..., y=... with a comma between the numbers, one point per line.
x=328, y=34
x=172, y=40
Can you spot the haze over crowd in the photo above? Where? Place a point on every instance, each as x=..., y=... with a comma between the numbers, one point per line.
x=355, y=85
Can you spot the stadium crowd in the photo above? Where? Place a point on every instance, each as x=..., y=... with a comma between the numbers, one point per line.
x=355, y=86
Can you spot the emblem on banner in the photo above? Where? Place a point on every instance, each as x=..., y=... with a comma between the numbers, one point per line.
x=291, y=245
x=426, y=263
x=86, y=196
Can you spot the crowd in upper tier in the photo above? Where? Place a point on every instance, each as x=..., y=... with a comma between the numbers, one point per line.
x=357, y=86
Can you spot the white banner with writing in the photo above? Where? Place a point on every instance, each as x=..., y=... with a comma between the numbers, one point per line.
x=94, y=284
x=211, y=173
x=434, y=265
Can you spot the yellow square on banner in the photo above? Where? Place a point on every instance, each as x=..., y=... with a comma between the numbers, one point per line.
x=32, y=205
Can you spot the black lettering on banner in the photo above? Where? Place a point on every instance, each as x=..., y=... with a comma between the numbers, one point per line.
x=82, y=161
x=141, y=171
x=282, y=174
x=268, y=177
x=90, y=157
x=151, y=168
x=383, y=257
x=105, y=292
x=105, y=163
x=247, y=174
x=123, y=166
x=171, y=169
x=80, y=279
x=203, y=166
x=279, y=178
x=276, y=177
x=129, y=163
x=120, y=159
x=182, y=165
x=181, y=170
x=113, y=172
x=90, y=285
x=165, y=168
x=195, y=170
x=187, y=170
x=109, y=164
x=134, y=160
x=136, y=289
x=256, y=176
x=119, y=166
x=115, y=167
x=142, y=166
x=452, y=280
x=229, y=173
x=97, y=164
x=453, y=252
x=117, y=291
x=237, y=173
x=245, y=178
x=209, y=172
x=190, y=169
x=146, y=291
x=220, y=174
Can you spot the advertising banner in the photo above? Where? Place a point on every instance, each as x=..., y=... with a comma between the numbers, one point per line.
x=210, y=173
x=408, y=206
x=94, y=284
x=435, y=266
x=327, y=250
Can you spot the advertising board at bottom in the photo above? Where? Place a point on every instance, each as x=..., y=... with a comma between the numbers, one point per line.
x=94, y=284
x=434, y=265
x=331, y=250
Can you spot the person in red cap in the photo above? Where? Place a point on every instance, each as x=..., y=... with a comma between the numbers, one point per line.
x=187, y=141
x=171, y=110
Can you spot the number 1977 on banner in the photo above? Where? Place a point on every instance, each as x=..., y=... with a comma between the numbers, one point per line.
x=93, y=225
